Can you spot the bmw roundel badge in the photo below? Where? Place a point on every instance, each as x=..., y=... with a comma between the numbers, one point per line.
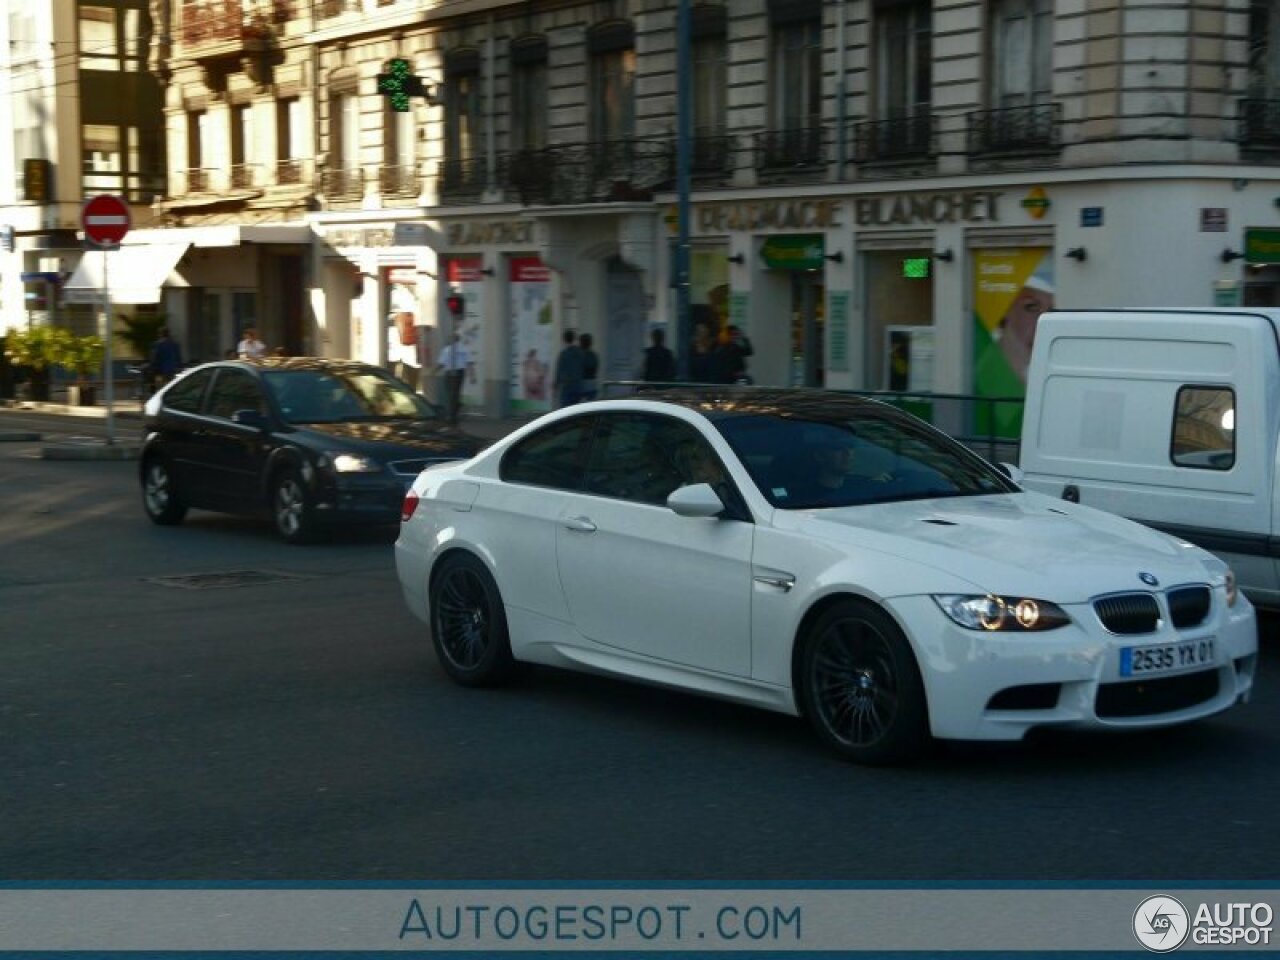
x=1149, y=579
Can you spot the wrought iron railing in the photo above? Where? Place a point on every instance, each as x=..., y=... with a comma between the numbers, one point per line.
x=197, y=180
x=801, y=147
x=399, y=181
x=243, y=176
x=342, y=183
x=288, y=172
x=324, y=9
x=712, y=154
x=902, y=138
x=461, y=179
x=246, y=24
x=1259, y=123
x=602, y=172
x=1036, y=127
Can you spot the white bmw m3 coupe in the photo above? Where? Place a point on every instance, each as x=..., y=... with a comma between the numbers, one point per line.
x=821, y=555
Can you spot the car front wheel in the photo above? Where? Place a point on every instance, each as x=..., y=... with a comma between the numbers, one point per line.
x=291, y=508
x=468, y=623
x=159, y=495
x=860, y=687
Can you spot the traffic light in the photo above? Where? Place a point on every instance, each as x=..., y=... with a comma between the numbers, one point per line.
x=399, y=84
x=455, y=304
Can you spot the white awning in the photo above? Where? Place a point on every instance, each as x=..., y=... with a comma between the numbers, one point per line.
x=133, y=274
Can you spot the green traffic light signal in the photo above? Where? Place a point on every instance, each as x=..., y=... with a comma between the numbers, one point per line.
x=399, y=84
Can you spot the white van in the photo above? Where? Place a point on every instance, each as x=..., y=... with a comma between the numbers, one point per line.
x=1168, y=417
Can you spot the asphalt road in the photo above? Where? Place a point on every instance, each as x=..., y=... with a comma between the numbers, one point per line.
x=298, y=729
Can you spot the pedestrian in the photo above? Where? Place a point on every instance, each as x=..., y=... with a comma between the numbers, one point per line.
x=402, y=357
x=730, y=362
x=567, y=382
x=250, y=347
x=455, y=363
x=702, y=356
x=659, y=361
x=165, y=360
x=590, y=367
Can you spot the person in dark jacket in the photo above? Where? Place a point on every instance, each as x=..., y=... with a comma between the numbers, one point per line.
x=567, y=383
x=731, y=356
x=166, y=358
x=703, y=355
x=590, y=386
x=659, y=361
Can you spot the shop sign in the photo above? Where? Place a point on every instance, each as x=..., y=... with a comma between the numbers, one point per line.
x=1262, y=246
x=1036, y=203
x=793, y=252
x=468, y=233
x=768, y=215
x=359, y=238
x=904, y=209
x=1091, y=216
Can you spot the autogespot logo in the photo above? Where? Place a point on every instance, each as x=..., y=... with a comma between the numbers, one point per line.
x=1161, y=923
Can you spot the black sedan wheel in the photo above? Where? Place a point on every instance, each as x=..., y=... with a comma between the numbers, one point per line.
x=159, y=497
x=468, y=623
x=860, y=687
x=291, y=508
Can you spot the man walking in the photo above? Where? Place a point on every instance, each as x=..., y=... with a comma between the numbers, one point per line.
x=165, y=360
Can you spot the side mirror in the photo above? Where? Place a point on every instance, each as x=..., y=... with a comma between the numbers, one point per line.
x=1013, y=473
x=696, y=500
x=250, y=418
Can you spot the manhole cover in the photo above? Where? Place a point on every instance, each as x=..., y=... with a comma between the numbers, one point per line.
x=226, y=578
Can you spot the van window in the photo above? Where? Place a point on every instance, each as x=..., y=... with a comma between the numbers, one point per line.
x=1204, y=428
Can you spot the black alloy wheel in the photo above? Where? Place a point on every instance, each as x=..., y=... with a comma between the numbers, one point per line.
x=291, y=507
x=468, y=623
x=159, y=495
x=860, y=686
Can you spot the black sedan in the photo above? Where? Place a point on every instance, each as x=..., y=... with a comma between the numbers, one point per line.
x=308, y=440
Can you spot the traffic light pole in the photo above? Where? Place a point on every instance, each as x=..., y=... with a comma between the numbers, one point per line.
x=108, y=381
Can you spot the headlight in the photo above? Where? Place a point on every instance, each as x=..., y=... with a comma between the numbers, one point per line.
x=348, y=463
x=992, y=613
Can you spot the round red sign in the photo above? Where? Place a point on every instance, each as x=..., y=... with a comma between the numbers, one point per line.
x=105, y=220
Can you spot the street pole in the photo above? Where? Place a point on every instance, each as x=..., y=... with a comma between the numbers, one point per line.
x=684, y=135
x=108, y=382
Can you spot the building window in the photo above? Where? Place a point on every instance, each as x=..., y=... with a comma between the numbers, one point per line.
x=103, y=161
x=796, y=95
x=196, y=121
x=464, y=117
x=399, y=152
x=529, y=94
x=710, y=84
x=242, y=147
x=904, y=58
x=290, y=145
x=113, y=36
x=343, y=172
x=612, y=82
x=1021, y=53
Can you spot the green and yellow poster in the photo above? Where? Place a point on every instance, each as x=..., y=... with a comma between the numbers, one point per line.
x=1012, y=287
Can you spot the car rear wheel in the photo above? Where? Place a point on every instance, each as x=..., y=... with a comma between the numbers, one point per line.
x=860, y=686
x=159, y=495
x=291, y=508
x=468, y=623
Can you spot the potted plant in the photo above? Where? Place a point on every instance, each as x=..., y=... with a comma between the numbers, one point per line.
x=83, y=357
x=36, y=349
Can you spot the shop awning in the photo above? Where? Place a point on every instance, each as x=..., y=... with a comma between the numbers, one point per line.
x=134, y=274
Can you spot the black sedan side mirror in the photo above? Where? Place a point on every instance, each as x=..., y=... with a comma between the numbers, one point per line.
x=251, y=418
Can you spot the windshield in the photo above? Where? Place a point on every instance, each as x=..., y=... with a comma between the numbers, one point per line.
x=802, y=464
x=335, y=396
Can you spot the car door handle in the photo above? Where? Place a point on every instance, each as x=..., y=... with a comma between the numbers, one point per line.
x=581, y=524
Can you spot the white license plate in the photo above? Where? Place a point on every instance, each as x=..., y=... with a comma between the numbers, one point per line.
x=1165, y=657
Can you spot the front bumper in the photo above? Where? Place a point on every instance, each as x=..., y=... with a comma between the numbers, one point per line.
x=373, y=498
x=1071, y=677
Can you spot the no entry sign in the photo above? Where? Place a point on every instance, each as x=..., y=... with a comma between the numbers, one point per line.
x=105, y=220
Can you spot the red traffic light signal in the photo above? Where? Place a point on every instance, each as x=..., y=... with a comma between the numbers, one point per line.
x=455, y=303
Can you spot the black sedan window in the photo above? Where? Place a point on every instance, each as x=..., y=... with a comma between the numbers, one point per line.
x=185, y=394
x=806, y=463
x=331, y=396
x=234, y=390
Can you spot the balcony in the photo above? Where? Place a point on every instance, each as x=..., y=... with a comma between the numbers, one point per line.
x=462, y=179
x=713, y=156
x=328, y=9
x=1015, y=130
x=899, y=140
x=289, y=173
x=611, y=171
x=243, y=176
x=1259, y=124
x=802, y=148
x=399, y=181
x=217, y=29
x=197, y=180
x=342, y=183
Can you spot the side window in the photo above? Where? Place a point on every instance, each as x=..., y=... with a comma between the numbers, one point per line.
x=644, y=458
x=185, y=394
x=232, y=391
x=1204, y=428
x=554, y=457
